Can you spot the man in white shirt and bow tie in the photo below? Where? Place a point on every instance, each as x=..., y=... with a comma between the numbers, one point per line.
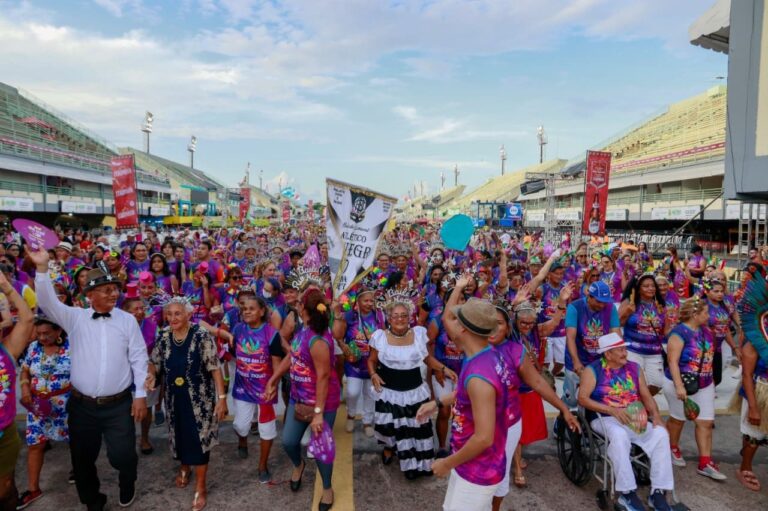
x=109, y=361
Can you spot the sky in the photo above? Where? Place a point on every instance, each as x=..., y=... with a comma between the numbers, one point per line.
x=382, y=94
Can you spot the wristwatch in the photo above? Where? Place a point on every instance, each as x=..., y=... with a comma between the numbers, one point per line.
x=317, y=410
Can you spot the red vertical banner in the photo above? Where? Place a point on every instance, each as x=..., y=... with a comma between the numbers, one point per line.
x=596, y=192
x=310, y=209
x=245, y=203
x=124, y=190
x=286, y=211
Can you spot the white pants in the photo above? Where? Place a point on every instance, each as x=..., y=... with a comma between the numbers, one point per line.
x=244, y=413
x=464, y=496
x=555, y=350
x=654, y=442
x=360, y=399
x=513, y=438
x=652, y=366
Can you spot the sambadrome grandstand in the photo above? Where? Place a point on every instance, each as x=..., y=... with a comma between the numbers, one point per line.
x=664, y=170
x=56, y=171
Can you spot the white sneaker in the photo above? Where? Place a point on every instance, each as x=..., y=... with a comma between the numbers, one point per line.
x=712, y=471
x=368, y=430
x=677, y=458
x=349, y=427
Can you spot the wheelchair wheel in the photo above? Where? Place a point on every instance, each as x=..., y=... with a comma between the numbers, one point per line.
x=642, y=469
x=602, y=499
x=575, y=452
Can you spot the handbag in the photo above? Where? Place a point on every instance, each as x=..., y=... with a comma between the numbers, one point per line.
x=690, y=379
x=303, y=412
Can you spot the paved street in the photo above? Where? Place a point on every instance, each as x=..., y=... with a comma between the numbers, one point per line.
x=232, y=482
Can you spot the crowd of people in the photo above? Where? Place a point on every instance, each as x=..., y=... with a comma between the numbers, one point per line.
x=445, y=356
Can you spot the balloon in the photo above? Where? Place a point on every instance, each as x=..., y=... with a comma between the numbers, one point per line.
x=457, y=231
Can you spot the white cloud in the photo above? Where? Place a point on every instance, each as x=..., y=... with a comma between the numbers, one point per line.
x=447, y=130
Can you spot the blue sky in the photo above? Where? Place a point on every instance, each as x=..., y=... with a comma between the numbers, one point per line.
x=383, y=94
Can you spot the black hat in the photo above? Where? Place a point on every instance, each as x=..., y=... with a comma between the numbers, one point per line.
x=99, y=276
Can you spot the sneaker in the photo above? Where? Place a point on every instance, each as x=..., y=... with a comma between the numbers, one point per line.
x=658, y=501
x=28, y=497
x=159, y=418
x=349, y=427
x=368, y=429
x=712, y=471
x=265, y=477
x=98, y=503
x=677, y=457
x=127, y=495
x=242, y=452
x=630, y=502
x=71, y=478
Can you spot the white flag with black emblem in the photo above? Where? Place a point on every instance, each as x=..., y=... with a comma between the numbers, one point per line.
x=355, y=222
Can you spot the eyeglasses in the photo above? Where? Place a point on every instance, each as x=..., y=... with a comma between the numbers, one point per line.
x=236, y=277
x=527, y=323
x=399, y=316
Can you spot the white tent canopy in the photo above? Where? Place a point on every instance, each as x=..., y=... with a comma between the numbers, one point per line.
x=713, y=28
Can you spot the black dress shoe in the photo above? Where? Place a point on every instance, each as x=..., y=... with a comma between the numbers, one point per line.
x=322, y=506
x=411, y=475
x=386, y=460
x=99, y=503
x=296, y=485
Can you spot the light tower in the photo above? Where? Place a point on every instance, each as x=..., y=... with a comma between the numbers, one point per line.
x=542, y=137
x=192, y=147
x=146, y=127
x=503, y=155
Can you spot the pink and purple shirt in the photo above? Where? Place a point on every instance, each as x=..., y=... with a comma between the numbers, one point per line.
x=488, y=467
x=254, y=348
x=644, y=329
x=697, y=356
x=7, y=388
x=512, y=354
x=359, y=331
x=617, y=388
x=303, y=375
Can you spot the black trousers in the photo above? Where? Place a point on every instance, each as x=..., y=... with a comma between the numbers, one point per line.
x=88, y=423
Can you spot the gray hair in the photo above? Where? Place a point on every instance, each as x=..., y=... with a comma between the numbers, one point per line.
x=179, y=300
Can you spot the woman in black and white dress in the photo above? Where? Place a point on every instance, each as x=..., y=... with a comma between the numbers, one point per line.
x=397, y=355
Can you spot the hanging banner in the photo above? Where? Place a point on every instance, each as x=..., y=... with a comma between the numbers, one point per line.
x=355, y=223
x=124, y=190
x=245, y=202
x=286, y=211
x=596, y=192
x=310, y=209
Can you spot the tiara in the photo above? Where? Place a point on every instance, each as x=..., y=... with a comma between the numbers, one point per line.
x=300, y=278
x=399, y=250
x=392, y=297
x=165, y=300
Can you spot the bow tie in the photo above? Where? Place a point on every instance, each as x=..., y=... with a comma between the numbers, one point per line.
x=97, y=315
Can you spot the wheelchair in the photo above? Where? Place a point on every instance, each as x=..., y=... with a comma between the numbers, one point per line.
x=583, y=456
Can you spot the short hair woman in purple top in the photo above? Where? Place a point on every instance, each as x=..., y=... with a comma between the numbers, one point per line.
x=691, y=351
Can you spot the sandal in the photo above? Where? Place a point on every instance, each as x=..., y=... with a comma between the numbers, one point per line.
x=523, y=463
x=520, y=481
x=748, y=480
x=199, y=501
x=182, y=478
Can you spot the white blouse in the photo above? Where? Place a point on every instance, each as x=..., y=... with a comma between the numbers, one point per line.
x=410, y=356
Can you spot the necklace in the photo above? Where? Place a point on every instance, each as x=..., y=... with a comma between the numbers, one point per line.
x=179, y=342
x=403, y=336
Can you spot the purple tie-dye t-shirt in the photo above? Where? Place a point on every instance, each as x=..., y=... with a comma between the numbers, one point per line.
x=617, y=388
x=359, y=331
x=487, y=468
x=303, y=375
x=7, y=389
x=644, y=329
x=697, y=355
x=253, y=366
x=512, y=353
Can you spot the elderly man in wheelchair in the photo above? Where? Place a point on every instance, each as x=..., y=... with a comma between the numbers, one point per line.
x=619, y=407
